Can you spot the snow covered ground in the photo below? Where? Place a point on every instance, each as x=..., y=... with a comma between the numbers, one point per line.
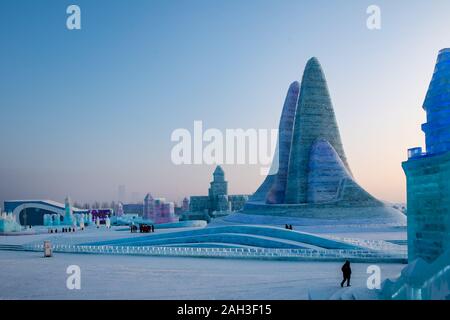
x=27, y=275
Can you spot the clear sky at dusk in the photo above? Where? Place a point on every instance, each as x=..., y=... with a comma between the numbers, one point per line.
x=84, y=111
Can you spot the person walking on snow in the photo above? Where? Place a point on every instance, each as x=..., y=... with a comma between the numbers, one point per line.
x=346, y=272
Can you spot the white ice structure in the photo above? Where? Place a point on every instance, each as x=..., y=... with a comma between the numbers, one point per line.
x=8, y=223
x=313, y=181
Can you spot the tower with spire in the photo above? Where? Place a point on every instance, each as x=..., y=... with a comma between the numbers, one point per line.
x=219, y=186
x=217, y=202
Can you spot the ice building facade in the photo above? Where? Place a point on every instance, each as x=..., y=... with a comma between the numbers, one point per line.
x=159, y=210
x=45, y=212
x=313, y=178
x=428, y=173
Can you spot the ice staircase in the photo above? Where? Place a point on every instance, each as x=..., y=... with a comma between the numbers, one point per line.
x=421, y=281
x=343, y=294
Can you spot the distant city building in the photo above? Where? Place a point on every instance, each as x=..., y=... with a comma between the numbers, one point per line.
x=428, y=174
x=136, y=197
x=217, y=201
x=121, y=194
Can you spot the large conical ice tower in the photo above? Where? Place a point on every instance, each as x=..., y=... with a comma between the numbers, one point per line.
x=313, y=172
x=314, y=120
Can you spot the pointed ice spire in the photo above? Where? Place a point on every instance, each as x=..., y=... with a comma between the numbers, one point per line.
x=219, y=174
x=314, y=120
x=273, y=188
x=278, y=189
x=437, y=106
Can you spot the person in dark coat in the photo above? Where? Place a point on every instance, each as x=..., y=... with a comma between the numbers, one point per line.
x=347, y=273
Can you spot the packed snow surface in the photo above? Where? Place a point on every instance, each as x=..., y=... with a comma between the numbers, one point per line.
x=27, y=275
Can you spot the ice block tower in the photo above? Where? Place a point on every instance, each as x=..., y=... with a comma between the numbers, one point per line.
x=68, y=212
x=428, y=173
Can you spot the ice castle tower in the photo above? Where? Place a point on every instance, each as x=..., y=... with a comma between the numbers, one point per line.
x=428, y=173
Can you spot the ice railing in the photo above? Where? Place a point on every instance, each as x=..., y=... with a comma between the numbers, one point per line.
x=334, y=254
x=379, y=245
x=435, y=276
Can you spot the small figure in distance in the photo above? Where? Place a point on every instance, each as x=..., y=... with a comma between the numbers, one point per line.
x=346, y=273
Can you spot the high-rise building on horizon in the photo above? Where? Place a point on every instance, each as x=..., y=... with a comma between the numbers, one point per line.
x=121, y=194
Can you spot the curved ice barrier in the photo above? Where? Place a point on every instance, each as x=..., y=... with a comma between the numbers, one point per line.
x=255, y=242
x=257, y=236
x=229, y=253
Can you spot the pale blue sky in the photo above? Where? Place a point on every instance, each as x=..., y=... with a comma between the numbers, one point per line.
x=85, y=111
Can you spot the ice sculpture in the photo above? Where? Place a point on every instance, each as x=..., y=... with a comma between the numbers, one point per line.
x=68, y=216
x=428, y=174
x=313, y=175
x=82, y=220
x=56, y=219
x=48, y=220
x=8, y=223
